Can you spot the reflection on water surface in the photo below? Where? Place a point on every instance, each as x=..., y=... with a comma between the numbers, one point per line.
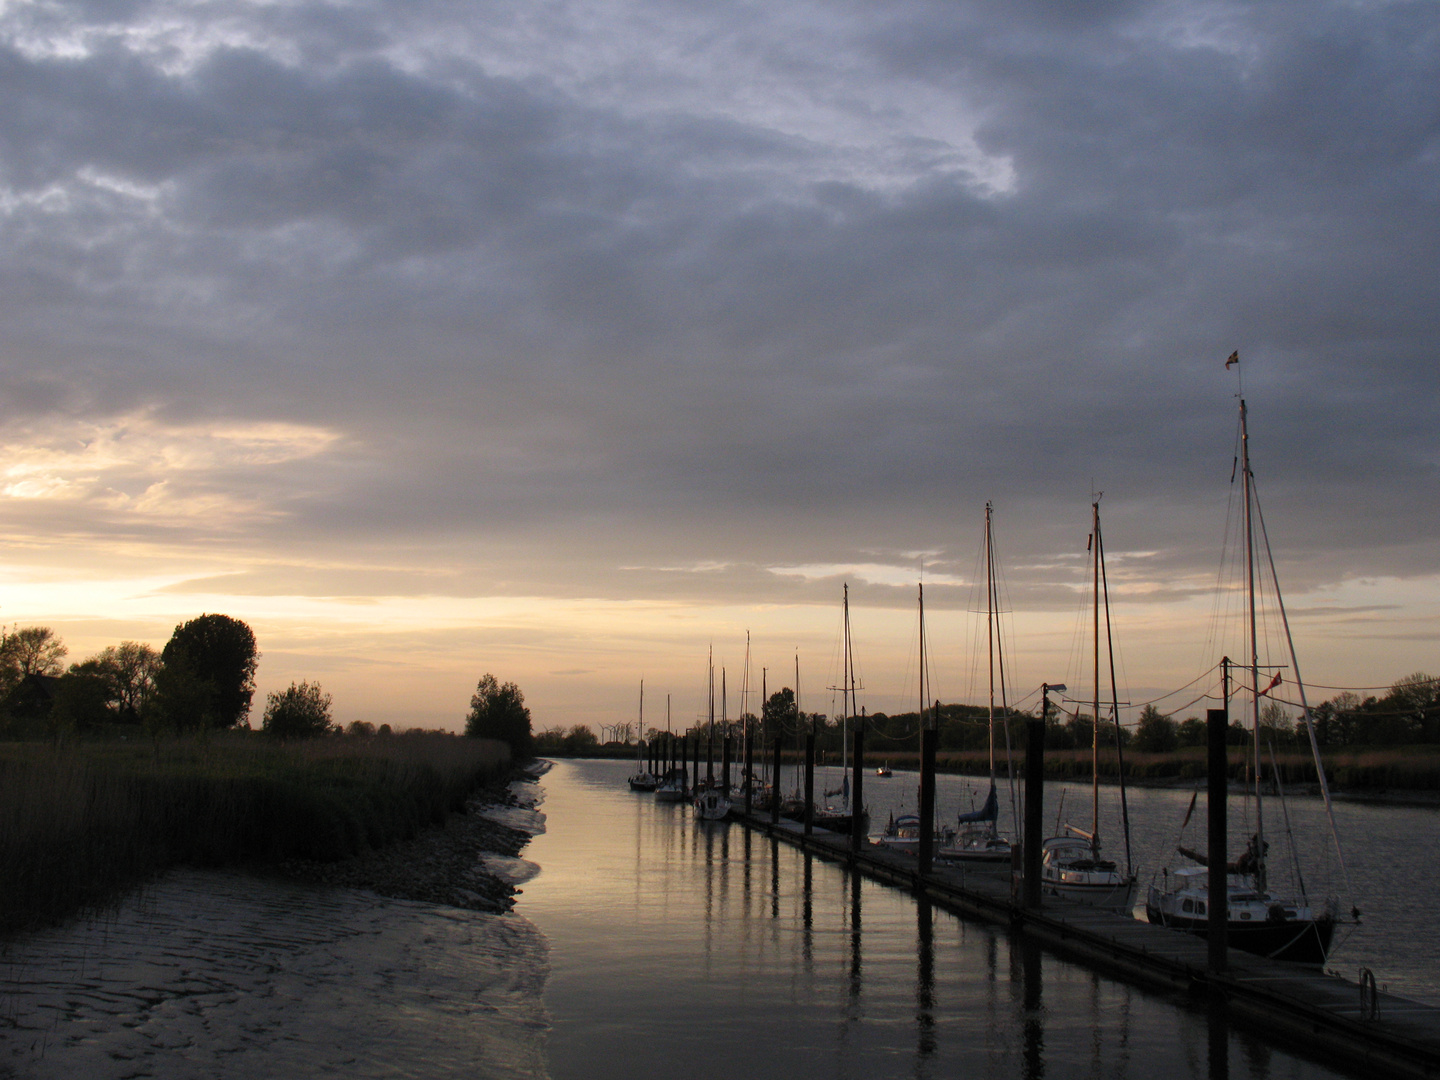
x=708, y=951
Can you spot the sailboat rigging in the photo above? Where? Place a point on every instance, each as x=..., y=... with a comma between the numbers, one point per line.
x=841, y=818
x=642, y=780
x=979, y=840
x=1259, y=918
x=902, y=833
x=710, y=802
x=672, y=787
x=1072, y=863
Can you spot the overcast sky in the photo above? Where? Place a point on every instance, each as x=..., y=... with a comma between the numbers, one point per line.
x=564, y=340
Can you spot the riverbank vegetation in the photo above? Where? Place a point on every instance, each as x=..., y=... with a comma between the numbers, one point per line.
x=81, y=821
x=1388, y=741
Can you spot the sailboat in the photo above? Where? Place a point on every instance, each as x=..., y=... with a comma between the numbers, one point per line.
x=672, y=787
x=903, y=833
x=710, y=802
x=1260, y=918
x=841, y=819
x=979, y=841
x=793, y=806
x=1072, y=864
x=642, y=780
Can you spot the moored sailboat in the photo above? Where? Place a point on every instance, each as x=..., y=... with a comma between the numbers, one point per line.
x=672, y=787
x=1260, y=917
x=643, y=779
x=978, y=841
x=710, y=802
x=841, y=819
x=1072, y=864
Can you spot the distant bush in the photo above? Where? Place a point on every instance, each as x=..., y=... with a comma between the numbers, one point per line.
x=300, y=712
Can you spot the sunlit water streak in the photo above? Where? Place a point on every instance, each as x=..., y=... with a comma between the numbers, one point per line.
x=678, y=948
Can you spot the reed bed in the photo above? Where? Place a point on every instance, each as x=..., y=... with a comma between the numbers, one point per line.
x=82, y=823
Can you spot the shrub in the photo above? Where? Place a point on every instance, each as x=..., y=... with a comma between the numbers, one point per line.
x=300, y=712
x=497, y=711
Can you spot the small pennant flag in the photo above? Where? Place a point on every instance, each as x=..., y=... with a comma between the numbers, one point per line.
x=1273, y=683
x=1234, y=359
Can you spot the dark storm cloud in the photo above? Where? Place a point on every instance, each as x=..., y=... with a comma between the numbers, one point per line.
x=623, y=286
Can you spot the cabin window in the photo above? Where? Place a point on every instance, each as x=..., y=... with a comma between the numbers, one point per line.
x=1188, y=905
x=1200, y=907
x=1245, y=915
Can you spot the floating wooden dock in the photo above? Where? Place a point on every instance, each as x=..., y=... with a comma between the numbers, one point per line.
x=1380, y=1033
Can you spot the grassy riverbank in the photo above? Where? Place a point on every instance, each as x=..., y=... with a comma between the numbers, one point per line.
x=81, y=823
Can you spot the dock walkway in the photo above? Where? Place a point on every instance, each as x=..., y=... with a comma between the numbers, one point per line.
x=1379, y=1032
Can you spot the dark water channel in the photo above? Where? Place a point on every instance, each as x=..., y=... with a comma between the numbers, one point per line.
x=709, y=951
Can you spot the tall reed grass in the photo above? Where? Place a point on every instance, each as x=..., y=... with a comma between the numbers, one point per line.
x=80, y=824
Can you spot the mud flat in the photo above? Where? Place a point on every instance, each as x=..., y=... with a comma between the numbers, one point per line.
x=393, y=964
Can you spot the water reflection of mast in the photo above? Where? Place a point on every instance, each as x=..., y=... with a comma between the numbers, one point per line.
x=1026, y=974
x=709, y=893
x=774, y=879
x=745, y=884
x=855, y=962
x=1218, y=1028
x=724, y=868
x=807, y=916
x=925, y=977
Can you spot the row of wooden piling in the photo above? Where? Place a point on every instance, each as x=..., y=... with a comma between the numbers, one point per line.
x=669, y=752
x=1398, y=1037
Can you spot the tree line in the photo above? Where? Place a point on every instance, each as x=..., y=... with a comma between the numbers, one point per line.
x=202, y=680
x=1406, y=714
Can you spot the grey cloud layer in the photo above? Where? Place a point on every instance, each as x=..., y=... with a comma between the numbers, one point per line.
x=617, y=284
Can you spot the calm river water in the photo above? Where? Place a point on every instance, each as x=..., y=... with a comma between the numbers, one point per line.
x=646, y=945
x=708, y=951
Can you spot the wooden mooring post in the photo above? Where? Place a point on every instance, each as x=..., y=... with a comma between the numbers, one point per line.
x=748, y=776
x=810, y=780
x=1034, y=805
x=929, y=738
x=1217, y=723
x=858, y=839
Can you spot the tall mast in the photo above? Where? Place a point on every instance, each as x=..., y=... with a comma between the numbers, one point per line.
x=990, y=632
x=1254, y=643
x=924, y=661
x=1095, y=742
x=799, y=735
x=710, y=725
x=997, y=667
x=1114, y=700
x=745, y=691
x=847, y=676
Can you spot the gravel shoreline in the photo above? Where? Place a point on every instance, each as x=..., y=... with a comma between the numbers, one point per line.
x=444, y=864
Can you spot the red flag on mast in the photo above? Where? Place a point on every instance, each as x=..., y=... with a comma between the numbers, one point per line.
x=1234, y=359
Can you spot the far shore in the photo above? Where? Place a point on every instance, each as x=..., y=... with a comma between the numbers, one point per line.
x=1388, y=776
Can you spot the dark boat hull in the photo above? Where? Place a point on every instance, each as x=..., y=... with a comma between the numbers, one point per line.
x=1300, y=942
